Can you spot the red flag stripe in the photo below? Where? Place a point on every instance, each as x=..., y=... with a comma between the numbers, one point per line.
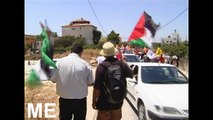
x=139, y=29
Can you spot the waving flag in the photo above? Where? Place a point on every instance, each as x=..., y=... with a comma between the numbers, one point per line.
x=143, y=32
x=44, y=68
x=159, y=52
x=151, y=54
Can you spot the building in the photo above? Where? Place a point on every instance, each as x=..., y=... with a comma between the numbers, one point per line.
x=34, y=42
x=80, y=28
x=174, y=38
x=29, y=39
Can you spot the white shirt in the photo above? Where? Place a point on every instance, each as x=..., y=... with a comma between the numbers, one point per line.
x=100, y=59
x=75, y=74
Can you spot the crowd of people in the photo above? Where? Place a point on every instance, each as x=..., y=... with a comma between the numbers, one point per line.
x=144, y=54
x=74, y=75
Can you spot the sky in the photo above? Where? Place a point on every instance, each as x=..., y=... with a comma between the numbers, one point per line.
x=118, y=15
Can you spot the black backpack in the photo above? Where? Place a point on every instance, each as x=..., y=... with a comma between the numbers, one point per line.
x=114, y=83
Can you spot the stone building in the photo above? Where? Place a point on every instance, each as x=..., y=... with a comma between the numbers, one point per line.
x=81, y=28
x=174, y=38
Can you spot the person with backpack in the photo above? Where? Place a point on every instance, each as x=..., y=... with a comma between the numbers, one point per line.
x=110, y=85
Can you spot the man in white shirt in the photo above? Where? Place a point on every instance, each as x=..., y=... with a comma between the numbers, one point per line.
x=74, y=77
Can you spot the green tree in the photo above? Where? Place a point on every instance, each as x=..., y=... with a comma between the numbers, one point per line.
x=113, y=37
x=96, y=36
x=38, y=37
x=180, y=49
x=54, y=34
x=64, y=43
x=101, y=42
x=79, y=40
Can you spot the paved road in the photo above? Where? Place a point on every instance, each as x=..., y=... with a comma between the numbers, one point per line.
x=127, y=112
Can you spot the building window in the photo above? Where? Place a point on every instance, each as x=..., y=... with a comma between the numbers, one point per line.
x=37, y=43
x=73, y=28
x=80, y=28
x=80, y=35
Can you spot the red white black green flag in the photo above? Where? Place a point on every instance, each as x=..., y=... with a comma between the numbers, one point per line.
x=144, y=31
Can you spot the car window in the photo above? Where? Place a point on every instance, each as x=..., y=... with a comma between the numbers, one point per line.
x=162, y=75
x=135, y=71
x=131, y=58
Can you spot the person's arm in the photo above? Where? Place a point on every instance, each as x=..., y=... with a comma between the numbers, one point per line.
x=90, y=78
x=96, y=94
x=54, y=74
x=91, y=84
x=128, y=70
x=96, y=90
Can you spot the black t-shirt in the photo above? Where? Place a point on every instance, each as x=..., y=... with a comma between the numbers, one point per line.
x=102, y=103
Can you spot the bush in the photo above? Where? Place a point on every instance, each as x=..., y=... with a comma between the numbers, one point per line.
x=90, y=46
x=180, y=50
x=61, y=49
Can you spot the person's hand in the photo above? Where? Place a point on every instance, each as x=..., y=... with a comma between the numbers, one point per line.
x=94, y=104
x=91, y=84
x=53, y=81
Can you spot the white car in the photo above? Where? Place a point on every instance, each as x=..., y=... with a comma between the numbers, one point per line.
x=158, y=91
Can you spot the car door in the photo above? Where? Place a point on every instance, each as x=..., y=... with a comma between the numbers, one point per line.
x=131, y=84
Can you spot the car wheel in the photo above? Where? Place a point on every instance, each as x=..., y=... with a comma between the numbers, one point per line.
x=141, y=112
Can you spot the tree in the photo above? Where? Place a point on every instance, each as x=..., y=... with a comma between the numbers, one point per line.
x=96, y=36
x=54, y=34
x=79, y=40
x=113, y=37
x=65, y=42
x=185, y=42
x=101, y=42
x=174, y=49
x=38, y=37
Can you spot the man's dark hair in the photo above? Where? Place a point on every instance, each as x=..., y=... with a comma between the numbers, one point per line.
x=77, y=48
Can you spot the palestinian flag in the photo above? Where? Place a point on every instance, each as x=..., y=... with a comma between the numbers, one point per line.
x=44, y=68
x=144, y=31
